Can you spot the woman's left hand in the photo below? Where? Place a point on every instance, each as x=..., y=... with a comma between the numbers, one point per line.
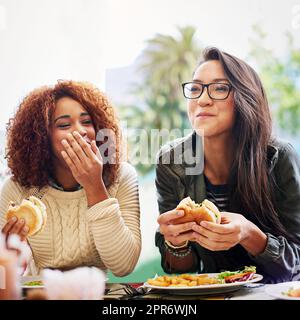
x=215, y=237
x=84, y=161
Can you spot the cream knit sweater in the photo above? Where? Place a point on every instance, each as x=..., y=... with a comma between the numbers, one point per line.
x=106, y=235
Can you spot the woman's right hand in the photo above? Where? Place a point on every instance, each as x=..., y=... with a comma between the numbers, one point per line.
x=177, y=234
x=15, y=226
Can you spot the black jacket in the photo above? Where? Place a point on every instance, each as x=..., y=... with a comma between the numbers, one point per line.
x=281, y=259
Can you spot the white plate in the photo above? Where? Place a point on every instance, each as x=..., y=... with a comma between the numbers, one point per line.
x=24, y=280
x=208, y=288
x=278, y=290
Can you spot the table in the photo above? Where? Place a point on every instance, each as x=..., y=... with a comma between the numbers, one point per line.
x=115, y=291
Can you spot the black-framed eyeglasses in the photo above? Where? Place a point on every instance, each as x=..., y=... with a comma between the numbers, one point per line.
x=215, y=90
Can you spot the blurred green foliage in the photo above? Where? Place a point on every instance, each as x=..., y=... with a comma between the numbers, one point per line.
x=165, y=63
x=281, y=79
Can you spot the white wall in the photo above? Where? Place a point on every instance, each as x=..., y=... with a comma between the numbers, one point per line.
x=45, y=40
x=42, y=41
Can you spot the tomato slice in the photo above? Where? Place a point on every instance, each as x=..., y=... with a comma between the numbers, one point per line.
x=239, y=277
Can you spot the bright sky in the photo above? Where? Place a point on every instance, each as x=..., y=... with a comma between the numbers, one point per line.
x=42, y=41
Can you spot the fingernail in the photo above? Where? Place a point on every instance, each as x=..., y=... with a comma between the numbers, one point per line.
x=179, y=213
x=14, y=218
x=26, y=229
x=203, y=224
x=22, y=220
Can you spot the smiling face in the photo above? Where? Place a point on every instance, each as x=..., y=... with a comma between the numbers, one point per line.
x=217, y=115
x=69, y=116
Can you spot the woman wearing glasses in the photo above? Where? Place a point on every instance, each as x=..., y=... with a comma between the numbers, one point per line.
x=91, y=196
x=253, y=178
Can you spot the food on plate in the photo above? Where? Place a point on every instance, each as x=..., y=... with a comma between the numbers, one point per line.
x=237, y=276
x=183, y=280
x=32, y=210
x=33, y=283
x=190, y=280
x=204, y=211
x=295, y=293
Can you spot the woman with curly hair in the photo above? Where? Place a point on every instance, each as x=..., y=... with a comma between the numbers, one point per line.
x=92, y=202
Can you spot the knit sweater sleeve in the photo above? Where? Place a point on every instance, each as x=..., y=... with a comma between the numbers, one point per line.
x=115, y=225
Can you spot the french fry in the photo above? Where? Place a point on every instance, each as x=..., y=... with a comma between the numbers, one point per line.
x=158, y=283
x=192, y=283
x=183, y=280
x=160, y=279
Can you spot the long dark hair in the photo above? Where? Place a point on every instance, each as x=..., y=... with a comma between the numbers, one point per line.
x=251, y=185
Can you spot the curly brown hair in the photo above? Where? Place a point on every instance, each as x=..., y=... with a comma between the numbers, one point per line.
x=29, y=153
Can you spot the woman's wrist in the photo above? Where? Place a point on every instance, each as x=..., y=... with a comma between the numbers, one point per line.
x=255, y=240
x=96, y=193
x=182, y=245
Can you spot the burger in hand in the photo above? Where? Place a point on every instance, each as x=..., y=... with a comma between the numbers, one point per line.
x=204, y=211
x=32, y=210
